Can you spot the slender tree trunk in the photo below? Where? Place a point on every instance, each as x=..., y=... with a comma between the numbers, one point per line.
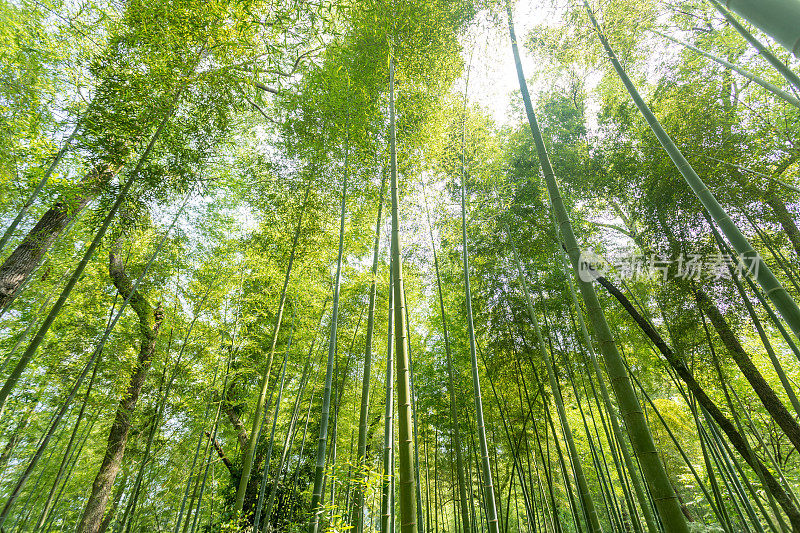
x=462, y=488
x=319, y=471
x=407, y=485
x=491, y=509
x=249, y=452
x=358, y=497
x=783, y=301
x=583, y=487
x=777, y=91
x=387, y=486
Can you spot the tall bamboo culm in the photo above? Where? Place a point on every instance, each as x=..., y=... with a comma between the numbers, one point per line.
x=405, y=463
x=641, y=439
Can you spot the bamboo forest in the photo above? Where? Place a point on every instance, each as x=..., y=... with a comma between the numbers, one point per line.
x=400, y=266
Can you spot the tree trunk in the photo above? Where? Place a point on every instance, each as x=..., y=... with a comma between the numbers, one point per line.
x=456, y=437
x=765, y=393
x=789, y=14
x=488, y=485
x=251, y=440
x=772, y=484
x=319, y=470
x=782, y=300
x=780, y=19
x=149, y=323
x=785, y=219
x=630, y=409
x=358, y=497
x=18, y=267
x=777, y=91
x=405, y=463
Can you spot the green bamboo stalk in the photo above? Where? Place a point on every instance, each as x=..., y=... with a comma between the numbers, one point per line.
x=358, y=497
x=249, y=454
x=406, y=485
x=491, y=509
x=268, y=457
x=778, y=18
x=462, y=490
x=417, y=484
x=587, y=504
x=387, y=490
x=319, y=472
x=638, y=430
x=290, y=432
x=641, y=497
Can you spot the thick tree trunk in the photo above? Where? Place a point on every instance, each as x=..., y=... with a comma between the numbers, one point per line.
x=406, y=482
x=780, y=19
x=236, y=422
x=785, y=219
x=29, y=253
x=149, y=323
x=112, y=511
x=771, y=483
x=765, y=393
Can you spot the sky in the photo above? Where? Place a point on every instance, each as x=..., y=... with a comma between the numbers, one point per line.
x=487, y=51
